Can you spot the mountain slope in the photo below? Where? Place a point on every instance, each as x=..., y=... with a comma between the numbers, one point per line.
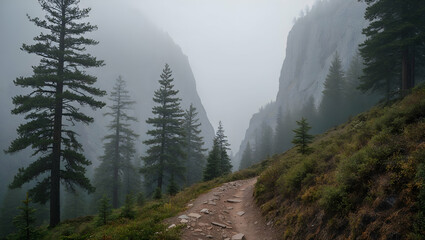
x=364, y=180
x=330, y=27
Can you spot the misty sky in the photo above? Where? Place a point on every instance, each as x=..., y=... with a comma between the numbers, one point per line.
x=236, y=50
x=235, y=47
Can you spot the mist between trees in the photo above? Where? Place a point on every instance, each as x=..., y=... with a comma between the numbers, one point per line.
x=60, y=86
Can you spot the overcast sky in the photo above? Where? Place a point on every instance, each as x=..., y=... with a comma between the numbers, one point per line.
x=236, y=50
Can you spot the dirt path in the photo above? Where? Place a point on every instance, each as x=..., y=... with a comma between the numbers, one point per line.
x=225, y=213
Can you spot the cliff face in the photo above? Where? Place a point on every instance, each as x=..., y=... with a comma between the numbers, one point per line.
x=331, y=26
x=130, y=45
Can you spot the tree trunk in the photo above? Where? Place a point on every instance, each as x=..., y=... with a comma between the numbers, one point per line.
x=117, y=154
x=405, y=74
x=57, y=132
x=412, y=56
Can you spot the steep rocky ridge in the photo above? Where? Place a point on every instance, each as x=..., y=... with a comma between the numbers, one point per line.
x=329, y=27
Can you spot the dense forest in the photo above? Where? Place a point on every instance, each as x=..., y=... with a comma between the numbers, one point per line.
x=100, y=164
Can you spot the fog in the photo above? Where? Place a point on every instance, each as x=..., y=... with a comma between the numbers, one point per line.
x=236, y=49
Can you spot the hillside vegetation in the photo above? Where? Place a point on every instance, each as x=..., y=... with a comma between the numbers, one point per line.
x=363, y=180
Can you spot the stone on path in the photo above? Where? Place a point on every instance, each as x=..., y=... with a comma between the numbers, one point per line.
x=205, y=210
x=209, y=236
x=194, y=215
x=234, y=200
x=172, y=226
x=184, y=221
x=241, y=213
x=219, y=224
x=183, y=217
x=238, y=236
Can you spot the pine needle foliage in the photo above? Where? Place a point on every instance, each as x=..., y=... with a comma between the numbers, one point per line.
x=58, y=86
x=104, y=210
x=165, y=153
x=302, y=139
x=194, y=147
x=24, y=222
x=128, y=209
x=218, y=161
x=119, y=148
x=394, y=45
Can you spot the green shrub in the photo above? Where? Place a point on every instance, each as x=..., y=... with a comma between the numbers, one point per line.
x=291, y=181
x=128, y=209
x=334, y=199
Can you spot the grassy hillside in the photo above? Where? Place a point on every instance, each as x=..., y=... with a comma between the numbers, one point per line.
x=148, y=223
x=364, y=180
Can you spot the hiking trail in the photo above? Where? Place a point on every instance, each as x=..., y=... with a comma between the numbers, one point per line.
x=227, y=212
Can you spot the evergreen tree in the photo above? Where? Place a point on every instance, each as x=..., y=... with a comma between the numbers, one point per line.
x=246, y=160
x=119, y=148
x=195, y=159
x=394, y=43
x=331, y=108
x=104, y=210
x=165, y=151
x=218, y=161
x=279, y=133
x=225, y=165
x=24, y=222
x=132, y=182
x=128, y=209
x=302, y=138
x=212, y=171
x=172, y=189
x=59, y=84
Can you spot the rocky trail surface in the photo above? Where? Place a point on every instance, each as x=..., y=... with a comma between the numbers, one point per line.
x=227, y=212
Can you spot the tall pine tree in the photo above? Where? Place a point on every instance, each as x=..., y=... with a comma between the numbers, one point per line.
x=331, y=108
x=119, y=148
x=58, y=85
x=218, y=161
x=195, y=159
x=225, y=165
x=164, y=156
x=394, y=43
x=211, y=170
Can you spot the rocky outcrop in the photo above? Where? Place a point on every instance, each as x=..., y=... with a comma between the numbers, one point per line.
x=329, y=27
